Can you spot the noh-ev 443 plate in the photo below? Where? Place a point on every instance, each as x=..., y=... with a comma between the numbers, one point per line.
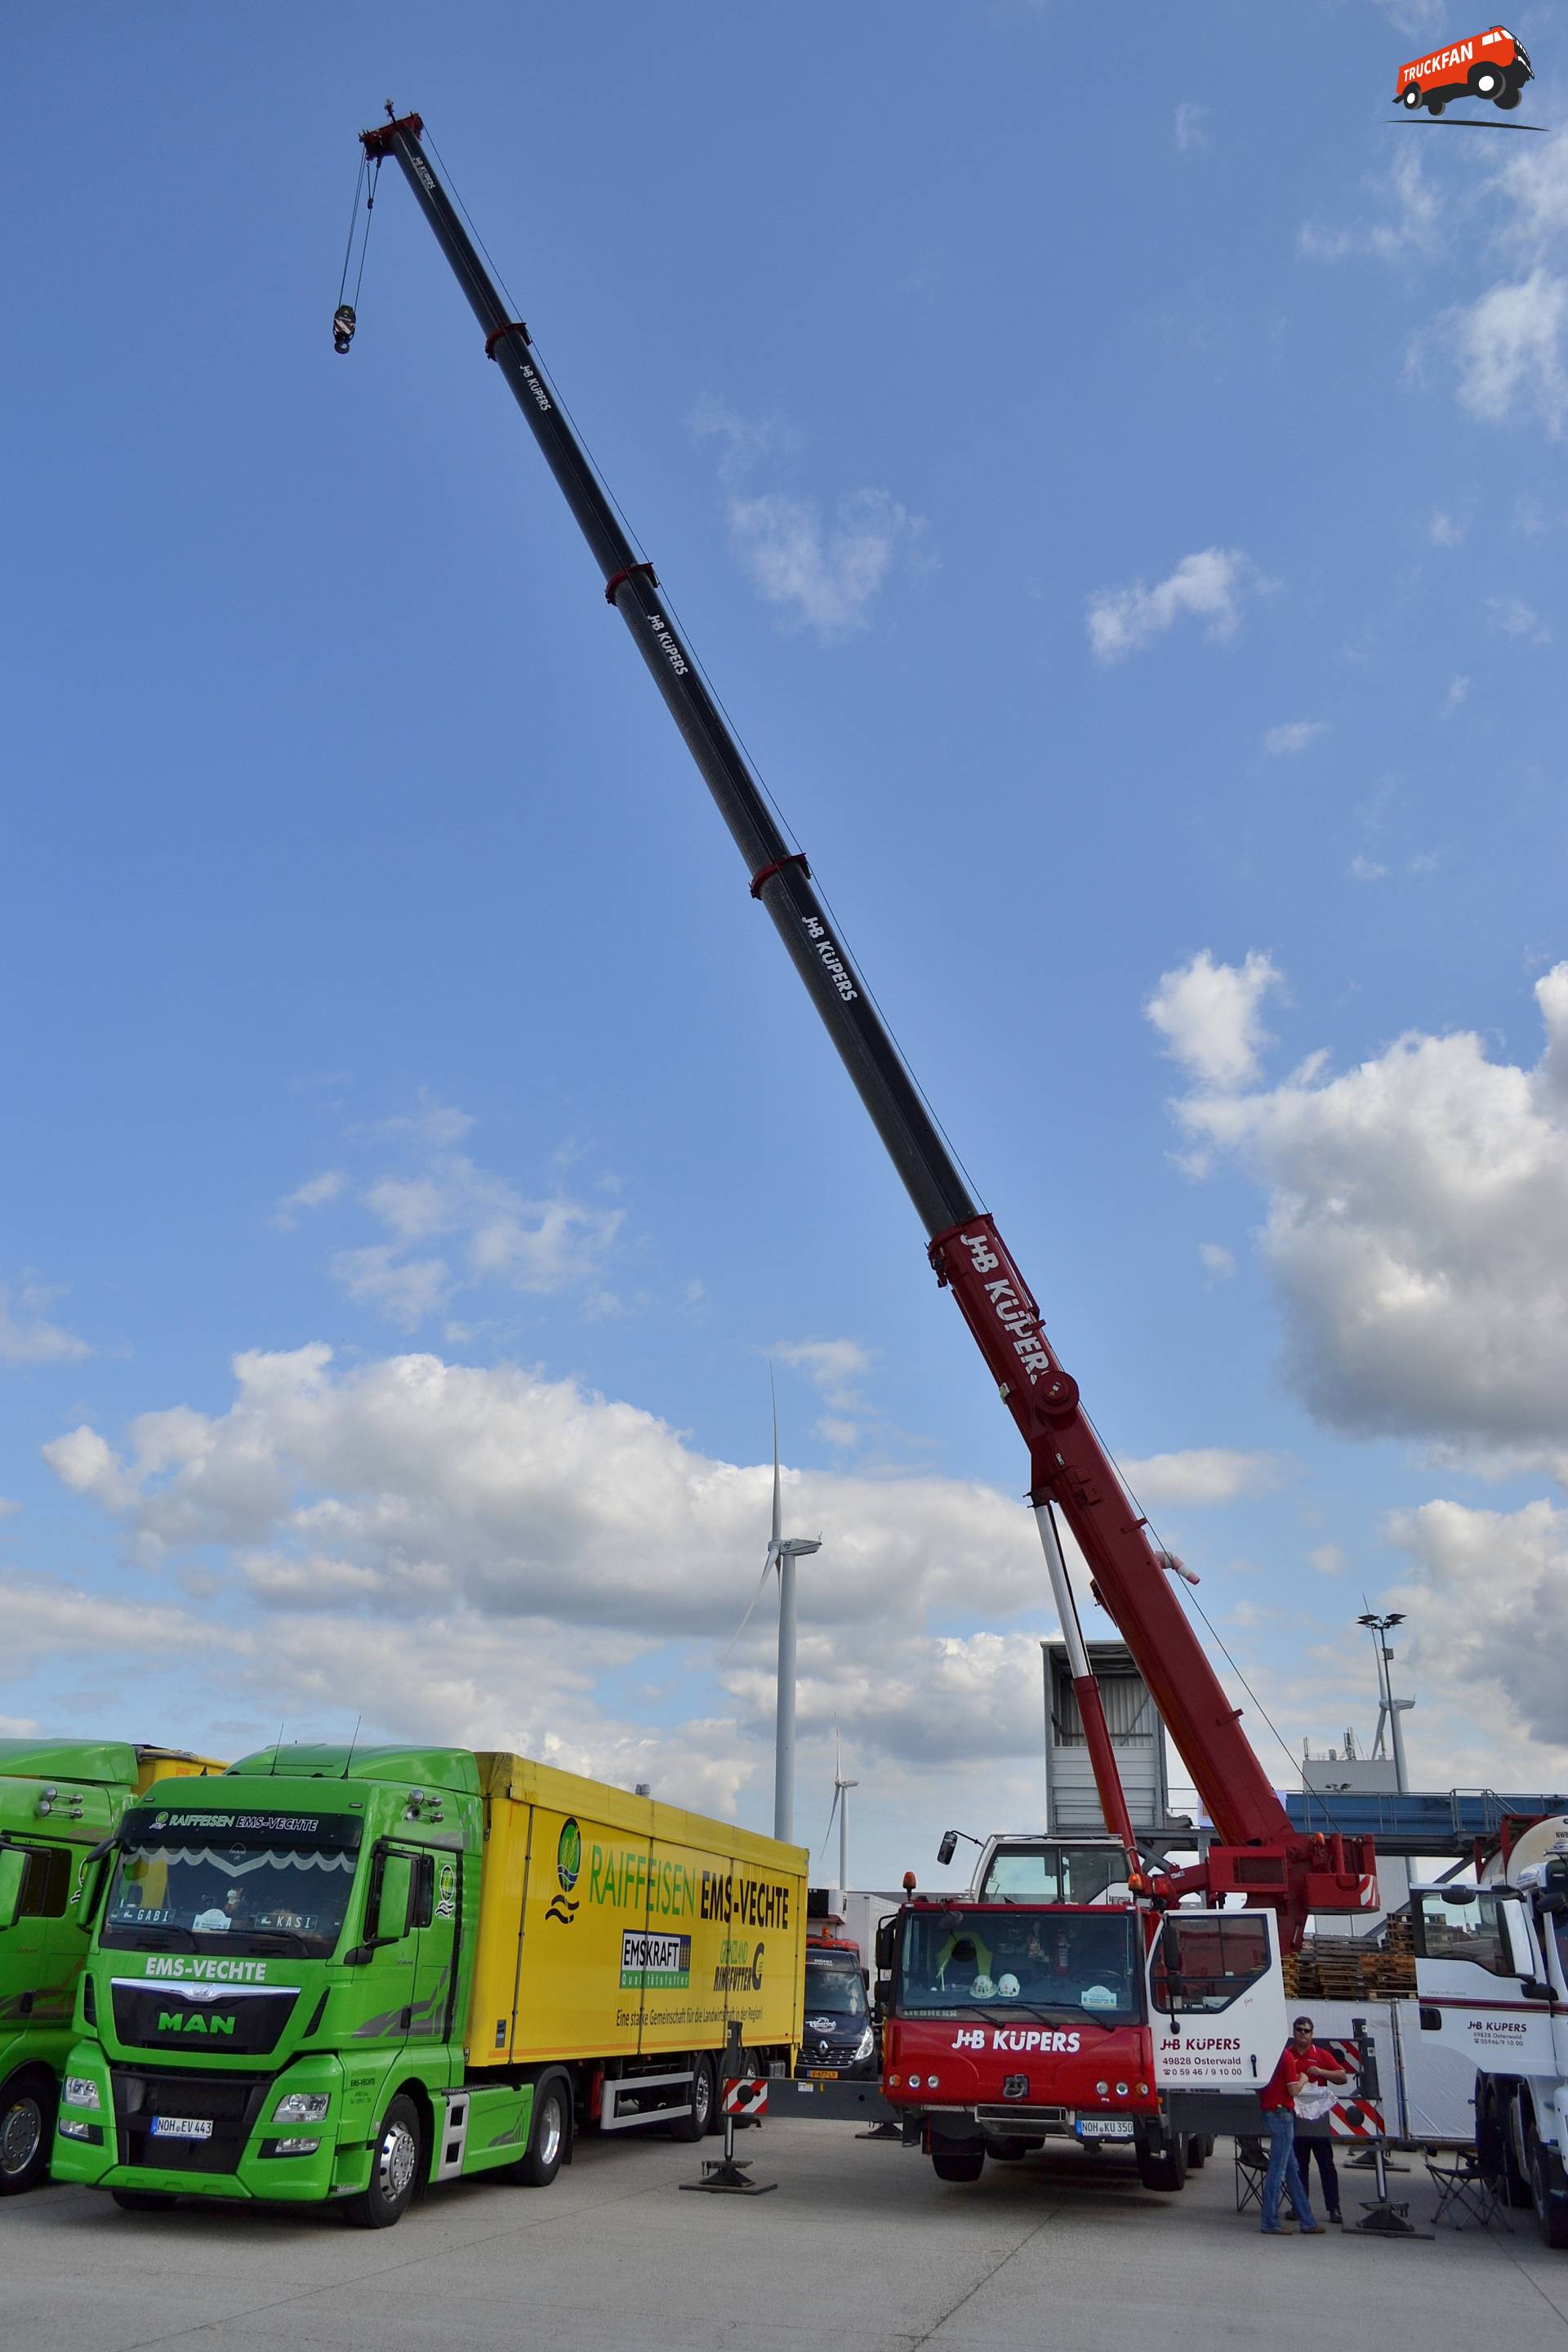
x=182, y=2128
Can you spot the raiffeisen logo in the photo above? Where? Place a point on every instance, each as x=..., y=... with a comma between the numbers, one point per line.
x=563, y=1908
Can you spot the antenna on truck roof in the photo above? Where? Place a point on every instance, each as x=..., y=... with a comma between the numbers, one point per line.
x=358, y=1720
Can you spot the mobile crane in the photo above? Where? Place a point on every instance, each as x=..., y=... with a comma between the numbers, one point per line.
x=1257, y=1856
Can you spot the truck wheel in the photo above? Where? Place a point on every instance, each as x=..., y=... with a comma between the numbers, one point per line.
x=704, y=2099
x=1551, y=2202
x=1435, y=107
x=142, y=2200
x=1165, y=2169
x=26, y=2127
x=1518, y=2131
x=1007, y=2151
x=546, y=2136
x=1509, y=98
x=1197, y=2151
x=1486, y=81
x=397, y=2163
x=1412, y=98
x=958, y=2159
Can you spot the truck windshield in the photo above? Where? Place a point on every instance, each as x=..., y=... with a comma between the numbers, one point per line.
x=202, y=1882
x=1078, y=1963
x=834, y=1986
x=1051, y=1873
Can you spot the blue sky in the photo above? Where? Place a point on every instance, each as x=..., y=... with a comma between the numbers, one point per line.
x=1113, y=472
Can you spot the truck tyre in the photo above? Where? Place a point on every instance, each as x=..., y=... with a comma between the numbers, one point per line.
x=1518, y=2131
x=546, y=2135
x=1509, y=98
x=1547, y=2194
x=1435, y=107
x=1412, y=98
x=704, y=2099
x=396, y=2169
x=1007, y=2151
x=144, y=2200
x=1165, y=2168
x=958, y=2159
x=1197, y=2151
x=1486, y=81
x=28, y=2106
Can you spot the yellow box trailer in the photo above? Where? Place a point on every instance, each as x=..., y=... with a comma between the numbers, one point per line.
x=615, y=1927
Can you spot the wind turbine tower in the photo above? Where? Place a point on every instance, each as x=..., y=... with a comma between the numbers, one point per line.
x=841, y=1788
x=782, y=1553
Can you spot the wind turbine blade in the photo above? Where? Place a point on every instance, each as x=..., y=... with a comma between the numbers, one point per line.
x=767, y=1570
x=832, y=1816
x=778, y=1522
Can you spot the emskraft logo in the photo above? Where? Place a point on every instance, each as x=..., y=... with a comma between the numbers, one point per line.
x=568, y=1867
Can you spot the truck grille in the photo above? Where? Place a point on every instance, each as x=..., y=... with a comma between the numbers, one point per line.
x=828, y=2049
x=246, y=2020
x=231, y=2103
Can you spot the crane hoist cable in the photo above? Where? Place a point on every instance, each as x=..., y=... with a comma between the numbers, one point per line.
x=346, y=317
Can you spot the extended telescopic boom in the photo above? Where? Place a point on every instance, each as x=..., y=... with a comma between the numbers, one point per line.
x=1069, y=1471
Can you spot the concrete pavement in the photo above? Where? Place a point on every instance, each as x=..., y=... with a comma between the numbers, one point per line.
x=860, y=2247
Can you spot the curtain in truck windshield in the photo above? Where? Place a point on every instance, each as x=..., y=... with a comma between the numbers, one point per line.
x=834, y=1987
x=1079, y=1964
x=284, y=1890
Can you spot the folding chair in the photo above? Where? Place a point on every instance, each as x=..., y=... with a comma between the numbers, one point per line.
x=1251, y=2169
x=1463, y=2188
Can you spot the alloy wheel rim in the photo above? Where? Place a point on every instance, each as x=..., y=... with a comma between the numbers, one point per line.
x=21, y=2129
x=397, y=2155
x=550, y=2131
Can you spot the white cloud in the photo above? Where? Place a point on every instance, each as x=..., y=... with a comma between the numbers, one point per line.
x=26, y=1336
x=464, y=1554
x=1443, y=530
x=1514, y=618
x=1489, y=1615
x=824, y=575
x=1217, y=1262
x=314, y=1194
x=1209, y=1014
x=1508, y=347
x=1293, y=736
x=1326, y=1559
x=1192, y=133
x=1409, y=222
x=1458, y=687
x=485, y=1229
x=1367, y=869
x=835, y=1365
x=1211, y=586
x=1202, y=1475
x=1416, y=1230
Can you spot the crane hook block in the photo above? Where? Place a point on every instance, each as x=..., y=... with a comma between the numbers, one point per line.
x=343, y=324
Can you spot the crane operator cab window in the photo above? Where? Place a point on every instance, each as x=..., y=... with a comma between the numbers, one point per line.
x=1053, y=1872
x=1059, y=1963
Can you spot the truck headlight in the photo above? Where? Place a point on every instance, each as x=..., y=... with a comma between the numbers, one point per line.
x=295, y=2147
x=80, y=2092
x=301, y=2107
x=864, y=2047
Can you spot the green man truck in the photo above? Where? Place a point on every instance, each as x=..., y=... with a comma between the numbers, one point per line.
x=59, y=1800
x=344, y=1972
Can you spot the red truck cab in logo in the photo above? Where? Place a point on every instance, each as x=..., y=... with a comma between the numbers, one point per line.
x=1490, y=65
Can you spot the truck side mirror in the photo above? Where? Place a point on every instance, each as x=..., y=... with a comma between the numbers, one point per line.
x=880, y=2003
x=948, y=1847
x=387, y=1912
x=13, y=1870
x=1555, y=1888
x=886, y=1944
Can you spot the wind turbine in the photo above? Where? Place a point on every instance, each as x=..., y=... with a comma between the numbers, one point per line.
x=841, y=1788
x=782, y=1553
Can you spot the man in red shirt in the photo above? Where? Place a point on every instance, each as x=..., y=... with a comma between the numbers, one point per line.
x=1314, y=2136
x=1277, y=2101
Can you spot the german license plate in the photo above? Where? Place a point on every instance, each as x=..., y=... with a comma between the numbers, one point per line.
x=1105, y=2126
x=822, y=2074
x=182, y=2128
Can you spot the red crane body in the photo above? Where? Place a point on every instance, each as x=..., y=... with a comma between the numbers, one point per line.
x=1259, y=1854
